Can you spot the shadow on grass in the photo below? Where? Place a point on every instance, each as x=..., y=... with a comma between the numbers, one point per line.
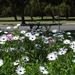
x=41, y=24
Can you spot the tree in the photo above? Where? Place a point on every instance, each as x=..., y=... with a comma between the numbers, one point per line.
x=48, y=10
x=21, y=5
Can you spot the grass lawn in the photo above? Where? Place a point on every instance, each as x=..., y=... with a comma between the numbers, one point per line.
x=35, y=18
x=34, y=22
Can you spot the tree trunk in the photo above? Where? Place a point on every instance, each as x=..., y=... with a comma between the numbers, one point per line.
x=67, y=14
x=52, y=15
x=15, y=17
x=31, y=18
x=22, y=15
x=42, y=17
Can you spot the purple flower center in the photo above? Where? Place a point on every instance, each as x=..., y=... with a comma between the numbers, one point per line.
x=51, y=57
x=25, y=59
x=20, y=70
x=3, y=38
x=61, y=52
x=42, y=70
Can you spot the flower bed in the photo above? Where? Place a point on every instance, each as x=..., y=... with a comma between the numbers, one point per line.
x=37, y=52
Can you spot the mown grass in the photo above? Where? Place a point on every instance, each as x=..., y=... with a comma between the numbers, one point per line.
x=35, y=18
x=34, y=22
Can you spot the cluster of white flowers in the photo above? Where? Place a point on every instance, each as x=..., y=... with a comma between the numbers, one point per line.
x=54, y=55
x=72, y=45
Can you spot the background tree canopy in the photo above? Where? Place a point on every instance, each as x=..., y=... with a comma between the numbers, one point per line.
x=37, y=8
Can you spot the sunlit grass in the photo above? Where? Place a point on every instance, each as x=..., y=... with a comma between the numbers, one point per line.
x=34, y=22
x=34, y=18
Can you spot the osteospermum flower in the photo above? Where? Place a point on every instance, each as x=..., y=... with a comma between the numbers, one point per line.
x=21, y=38
x=23, y=32
x=63, y=49
x=10, y=37
x=8, y=27
x=66, y=41
x=21, y=48
x=12, y=49
x=15, y=27
x=52, y=56
x=0, y=31
x=69, y=33
x=20, y=70
x=1, y=62
x=54, y=31
x=46, y=41
x=25, y=59
x=3, y=38
x=43, y=70
x=16, y=62
x=15, y=37
x=73, y=61
x=38, y=46
x=18, y=25
x=28, y=34
x=61, y=52
x=32, y=38
x=52, y=41
x=72, y=43
x=5, y=32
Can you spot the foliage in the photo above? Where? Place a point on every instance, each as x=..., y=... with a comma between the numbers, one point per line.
x=47, y=52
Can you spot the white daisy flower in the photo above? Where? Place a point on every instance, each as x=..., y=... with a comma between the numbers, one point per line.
x=55, y=35
x=8, y=27
x=21, y=38
x=56, y=53
x=32, y=38
x=25, y=59
x=61, y=52
x=73, y=61
x=38, y=46
x=54, y=31
x=20, y=70
x=5, y=32
x=21, y=48
x=46, y=41
x=18, y=25
x=15, y=37
x=72, y=43
x=69, y=33
x=43, y=70
x=63, y=49
x=16, y=62
x=3, y=38
x=15, y=27
x=23, y=32
x=1, y=62
x=66, y=41
x=28, y=34
x=0, y=31
x=12, y=49
x=52, y=56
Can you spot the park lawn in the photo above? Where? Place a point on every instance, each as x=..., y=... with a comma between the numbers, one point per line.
x=34, y=22
x=34, y=18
